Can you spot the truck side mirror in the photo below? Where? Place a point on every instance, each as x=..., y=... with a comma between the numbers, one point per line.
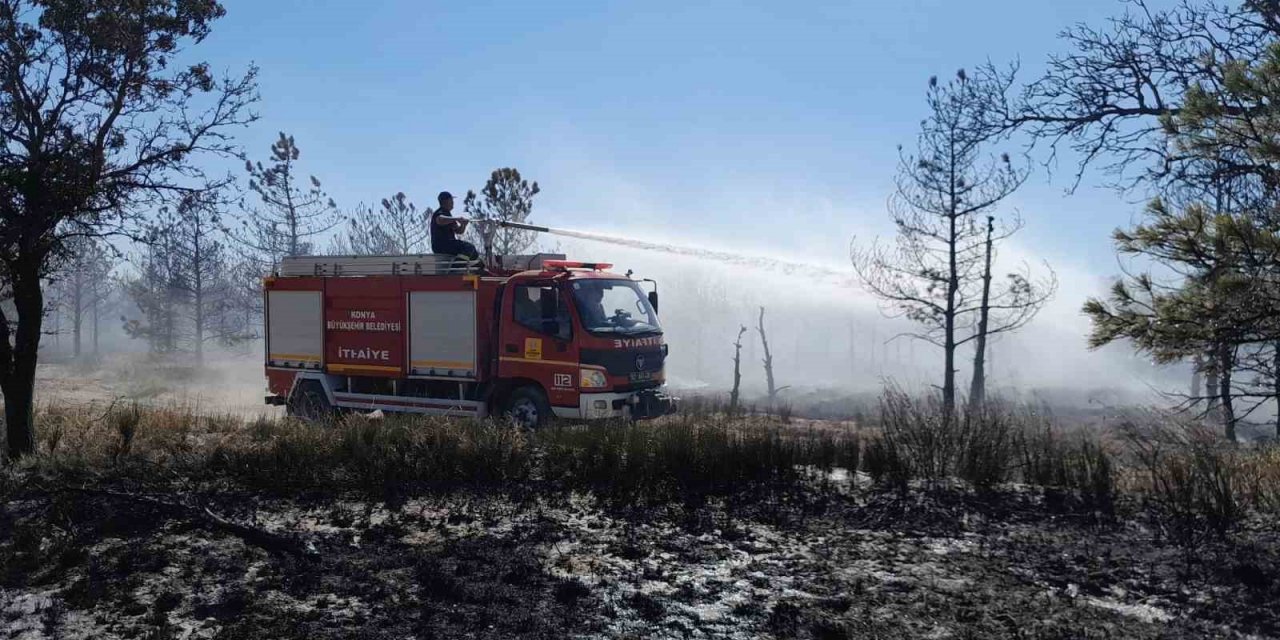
x=550, y=300
x=653, y=300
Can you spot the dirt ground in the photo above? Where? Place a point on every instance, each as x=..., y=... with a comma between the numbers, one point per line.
x=845, y=563
x=227, y=384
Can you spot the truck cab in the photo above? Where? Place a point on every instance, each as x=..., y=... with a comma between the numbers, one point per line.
x=545, y=338
x=589, y=337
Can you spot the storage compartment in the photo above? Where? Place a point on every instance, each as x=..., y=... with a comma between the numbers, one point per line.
x=442, y=333
x=295, y=330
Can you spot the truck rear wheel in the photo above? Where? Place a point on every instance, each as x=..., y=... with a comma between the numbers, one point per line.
x=528, y=408
x=309, y=403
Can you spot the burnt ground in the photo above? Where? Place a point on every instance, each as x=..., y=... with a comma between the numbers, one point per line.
x=832, y=564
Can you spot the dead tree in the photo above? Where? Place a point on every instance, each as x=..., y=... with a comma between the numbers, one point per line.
x=1003, y=309
x=737, y=372
x=978, y=385
x=768, y=360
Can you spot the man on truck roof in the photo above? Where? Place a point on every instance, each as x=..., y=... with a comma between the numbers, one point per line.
x=445, y=228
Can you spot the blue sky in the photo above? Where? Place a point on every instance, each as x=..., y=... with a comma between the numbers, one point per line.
x=759, y=125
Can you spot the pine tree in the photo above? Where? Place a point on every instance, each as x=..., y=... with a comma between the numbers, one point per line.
x=202, y=278
x=185, y=292
x=1214, y=304
x=293, y=211
x=396, y=227
x=154, y=292
x=506, y=197
x=933, y=274
x=83, y=284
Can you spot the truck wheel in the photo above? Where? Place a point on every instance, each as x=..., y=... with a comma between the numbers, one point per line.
x=309, y=403
x=528, y=408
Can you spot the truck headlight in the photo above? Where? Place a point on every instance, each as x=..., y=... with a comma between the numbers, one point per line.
x=592, y=379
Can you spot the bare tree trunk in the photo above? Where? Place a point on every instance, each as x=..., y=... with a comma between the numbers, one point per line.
x=1276, y=382
x=19, y=381
x=737, y=372
x=1197, y=381
x=978, y=386
x=768, y=360
x=96, y=304
x=77, y=311
x=1211, y=382
x=949, y=340
x=1225, y=365
x=198, y=296
x=199, y=322
x=55, y=320
x=988, y=364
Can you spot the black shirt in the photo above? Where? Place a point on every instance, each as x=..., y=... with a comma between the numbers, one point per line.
x=443, y=236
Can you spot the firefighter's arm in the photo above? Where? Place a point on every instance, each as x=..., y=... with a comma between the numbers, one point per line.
x=446, y=220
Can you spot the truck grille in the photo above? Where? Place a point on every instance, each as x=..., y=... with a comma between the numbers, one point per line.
x=622, y=363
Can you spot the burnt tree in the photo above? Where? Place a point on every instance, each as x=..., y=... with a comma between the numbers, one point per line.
x=737, y=372
x=933, y=273
x=1006, y=307
x=768, y=360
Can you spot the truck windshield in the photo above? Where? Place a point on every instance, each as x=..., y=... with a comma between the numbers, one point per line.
x=614, y=306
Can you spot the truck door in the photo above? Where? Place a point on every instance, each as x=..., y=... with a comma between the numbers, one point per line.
x=536, y=341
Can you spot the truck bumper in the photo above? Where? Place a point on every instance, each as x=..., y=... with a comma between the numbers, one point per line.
x=637, y=405
x=653, y=403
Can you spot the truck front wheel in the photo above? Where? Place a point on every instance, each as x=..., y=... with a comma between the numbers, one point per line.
x=528, y=408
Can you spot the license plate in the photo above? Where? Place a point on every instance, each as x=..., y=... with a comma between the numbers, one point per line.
x=641, y=376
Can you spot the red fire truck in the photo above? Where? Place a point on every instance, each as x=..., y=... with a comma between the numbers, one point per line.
x=535, y=338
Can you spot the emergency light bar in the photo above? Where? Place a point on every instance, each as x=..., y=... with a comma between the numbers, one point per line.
x=571, y=264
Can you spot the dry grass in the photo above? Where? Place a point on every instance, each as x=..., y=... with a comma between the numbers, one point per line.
x=985, y=447
x=1201, y=485
x=1198, y=484
x=399, y=454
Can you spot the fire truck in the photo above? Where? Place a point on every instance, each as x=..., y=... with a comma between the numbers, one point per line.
x=529, y=338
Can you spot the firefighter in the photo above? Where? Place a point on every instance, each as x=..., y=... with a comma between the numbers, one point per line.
x=445, y=229
x=593, y=313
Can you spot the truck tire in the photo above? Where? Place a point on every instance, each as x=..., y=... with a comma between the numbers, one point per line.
x=528, y=408
x=309, y=403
